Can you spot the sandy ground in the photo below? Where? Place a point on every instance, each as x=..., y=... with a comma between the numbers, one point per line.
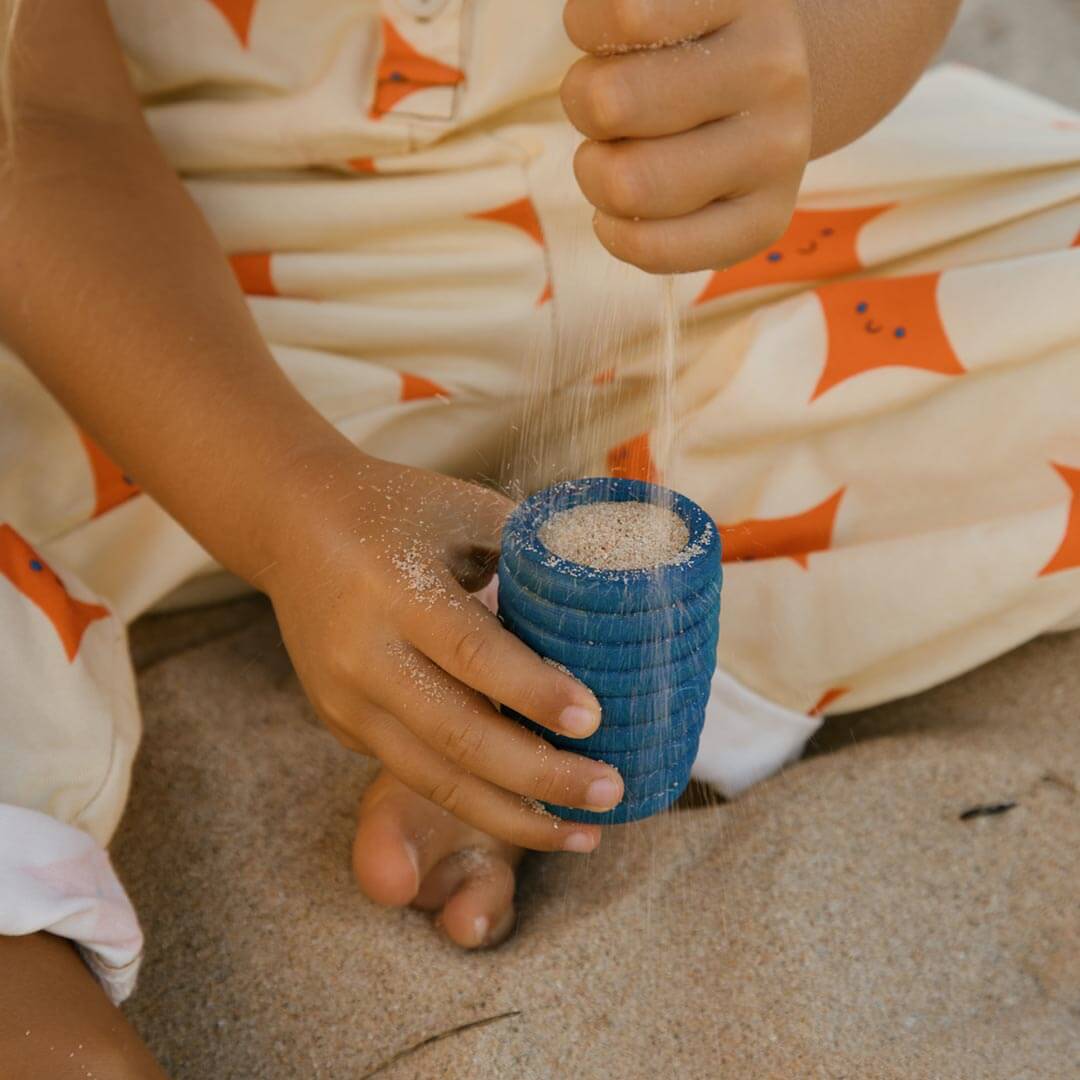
x=861, y=915
x=850, y=918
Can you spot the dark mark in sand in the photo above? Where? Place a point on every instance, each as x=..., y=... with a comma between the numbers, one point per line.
x=991, y=810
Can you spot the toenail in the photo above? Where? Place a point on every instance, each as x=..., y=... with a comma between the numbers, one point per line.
x=577, y=721
x=481, y=925
x=579, y=842
x=413, y=858
x=603, y=794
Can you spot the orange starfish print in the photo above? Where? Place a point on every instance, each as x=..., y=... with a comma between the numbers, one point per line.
x=403, y=71
x=796, y=537
x=884, y=322
x=20, y=564
x=521, y=214
x=112, y=486
x=1067, y=556
x=818, y=244
x=238, y=13
x=633, y=460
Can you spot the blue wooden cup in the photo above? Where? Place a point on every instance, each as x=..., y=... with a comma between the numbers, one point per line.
x=644, y=641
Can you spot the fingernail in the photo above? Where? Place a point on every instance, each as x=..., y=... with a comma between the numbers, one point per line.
x=578, y=721
x=603, y=794
x=580, y=842
x=481, y=925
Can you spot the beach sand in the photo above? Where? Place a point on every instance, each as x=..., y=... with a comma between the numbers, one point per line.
x=842, y=920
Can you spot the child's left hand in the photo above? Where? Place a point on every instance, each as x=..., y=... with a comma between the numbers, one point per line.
x=698, y=114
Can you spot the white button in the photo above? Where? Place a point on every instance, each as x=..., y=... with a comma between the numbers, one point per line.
x=423, y=9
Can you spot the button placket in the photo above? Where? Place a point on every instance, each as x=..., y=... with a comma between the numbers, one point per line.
x=420, y=72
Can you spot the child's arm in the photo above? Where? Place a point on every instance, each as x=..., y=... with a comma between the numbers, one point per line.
x=56, y=1024
x=114, y=291
x=698, y=147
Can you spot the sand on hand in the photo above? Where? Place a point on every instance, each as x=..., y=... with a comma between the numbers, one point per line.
x=616, y=535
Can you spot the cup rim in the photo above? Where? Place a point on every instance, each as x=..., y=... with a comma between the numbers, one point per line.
x=522, y=534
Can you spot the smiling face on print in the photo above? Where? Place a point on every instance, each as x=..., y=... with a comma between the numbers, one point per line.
x=819, y=244
x=884, y=322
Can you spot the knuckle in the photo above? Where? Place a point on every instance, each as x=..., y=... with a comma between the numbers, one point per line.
x=787, y=143
x=448, y=794
x=607, y=101
x=460, y=742
x=643, y=248
x=470, y=653
x=550, y=786
x=781, y=70
x=771, y=226
x=340, y=664
x=635, y=22
x=626, y=185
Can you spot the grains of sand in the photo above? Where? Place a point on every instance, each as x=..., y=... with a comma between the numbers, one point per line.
x=616, y=535
x=420, y=577
x=539, y=809
x=420, y=671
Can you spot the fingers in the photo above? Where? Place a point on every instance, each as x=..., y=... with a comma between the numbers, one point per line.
x=467, y=731
x=470, y=643
x=666, y=178
x=721, y=234
x=646, y=94
x=603, y=26
x=469, y=798
x=649, y=94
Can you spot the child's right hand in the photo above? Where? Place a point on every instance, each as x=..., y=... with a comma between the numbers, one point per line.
x=375, y=564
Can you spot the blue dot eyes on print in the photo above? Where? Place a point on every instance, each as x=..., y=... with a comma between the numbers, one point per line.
x=863, y=308
x=127, y=479
x=396, y=76
x=36, y=566
x=774, y=256
x=900, y=332
x=828, y=232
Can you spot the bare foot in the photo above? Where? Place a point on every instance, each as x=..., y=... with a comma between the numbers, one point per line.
x=410, y=851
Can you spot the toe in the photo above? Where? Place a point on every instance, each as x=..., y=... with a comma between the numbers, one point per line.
x=385, y=859
x=480, y=911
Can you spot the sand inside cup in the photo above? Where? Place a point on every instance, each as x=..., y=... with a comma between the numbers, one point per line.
x=616, y=535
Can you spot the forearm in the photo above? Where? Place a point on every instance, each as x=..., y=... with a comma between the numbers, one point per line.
x=115, y=293
x=865, y=55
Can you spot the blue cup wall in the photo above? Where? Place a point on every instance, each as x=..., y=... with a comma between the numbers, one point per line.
x=643, y=640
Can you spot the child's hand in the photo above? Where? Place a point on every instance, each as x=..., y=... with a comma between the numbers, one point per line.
x=698, y=114
x=376, y=562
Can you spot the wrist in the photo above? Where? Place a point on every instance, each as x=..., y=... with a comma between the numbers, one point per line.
x=310, y=495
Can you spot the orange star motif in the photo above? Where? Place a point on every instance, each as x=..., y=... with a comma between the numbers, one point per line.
x=818, y=244
x=796, y=537
x=20, y=564
x=362, y=164
x=417, y=388
x=238, y=14
x=403, y=71
x=1067, y=556
x=633, y=460
x=252, y=270
x=111, y=485
x=521, y=214
x=827, y=699
x=885, y=322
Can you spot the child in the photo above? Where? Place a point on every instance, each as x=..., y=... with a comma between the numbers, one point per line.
x=880, y=403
